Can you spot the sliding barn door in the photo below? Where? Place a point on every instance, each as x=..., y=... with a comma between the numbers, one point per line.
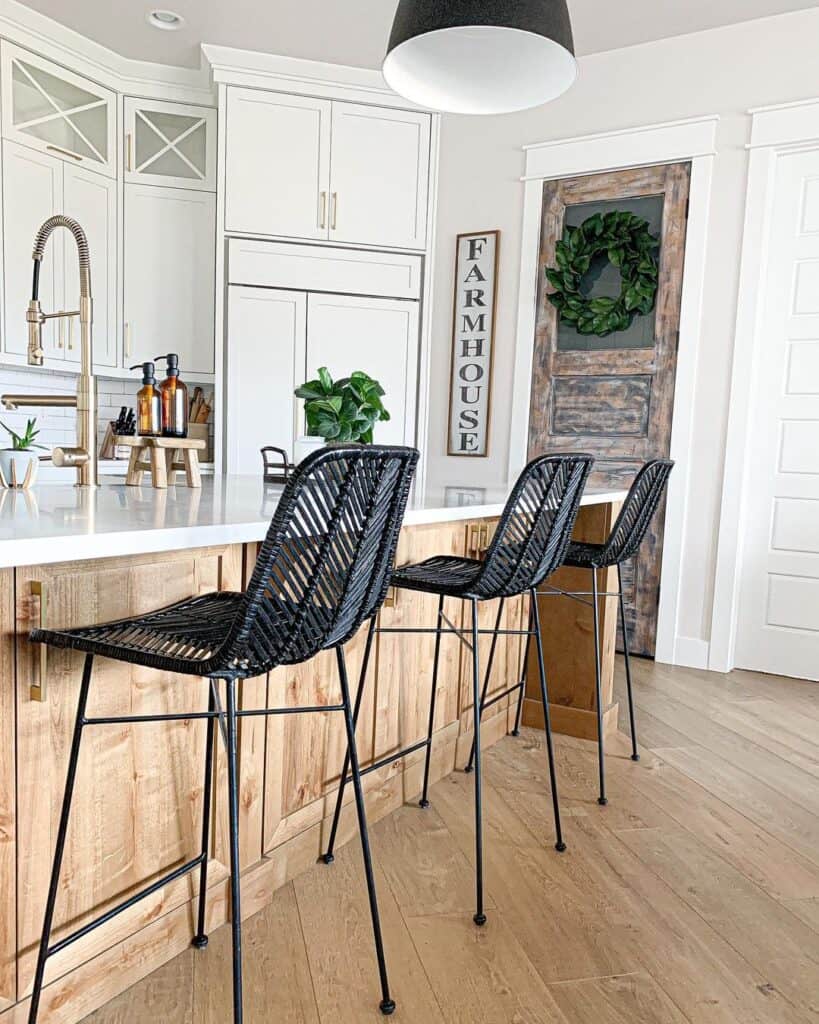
x=613, y=396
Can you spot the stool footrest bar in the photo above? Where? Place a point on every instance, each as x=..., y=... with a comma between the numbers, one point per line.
x=184, y=869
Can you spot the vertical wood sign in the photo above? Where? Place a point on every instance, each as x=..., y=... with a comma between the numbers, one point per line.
x=473, y=335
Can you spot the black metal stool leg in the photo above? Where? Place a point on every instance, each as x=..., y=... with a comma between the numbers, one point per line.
x=560, y=846
x=424, y=801
x=634, y=755
x=62, y=831
x=485, y=688
x=200, y=940
x=387, y=1005
x=479, y=916
x=601, y=753
x=329, y=856
x=235, y=867
x=522, y=693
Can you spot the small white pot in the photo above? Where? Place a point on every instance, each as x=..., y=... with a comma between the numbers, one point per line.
x=304, y=445
x=20, y=461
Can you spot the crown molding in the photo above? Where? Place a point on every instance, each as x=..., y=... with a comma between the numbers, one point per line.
x=782, y=124
x=43, y=35
x=254, y=69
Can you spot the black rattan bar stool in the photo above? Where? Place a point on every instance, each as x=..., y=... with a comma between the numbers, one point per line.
x=322, y=571
x=530, y=543
x=627, y=534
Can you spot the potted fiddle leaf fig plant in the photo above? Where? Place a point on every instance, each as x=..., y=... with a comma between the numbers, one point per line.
x=343, y=411
x=19, y=463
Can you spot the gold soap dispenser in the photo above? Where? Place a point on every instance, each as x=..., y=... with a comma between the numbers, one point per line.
x=149, y=409
x=174, y=398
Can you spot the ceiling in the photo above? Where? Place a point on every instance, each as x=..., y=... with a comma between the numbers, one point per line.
x=355, y=31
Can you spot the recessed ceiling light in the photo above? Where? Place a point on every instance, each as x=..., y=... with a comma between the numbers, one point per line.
x=168, y=20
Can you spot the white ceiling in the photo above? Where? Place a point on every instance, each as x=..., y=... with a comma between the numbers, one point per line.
x=355, y=31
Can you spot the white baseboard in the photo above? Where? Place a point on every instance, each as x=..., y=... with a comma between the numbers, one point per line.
x=690, y=652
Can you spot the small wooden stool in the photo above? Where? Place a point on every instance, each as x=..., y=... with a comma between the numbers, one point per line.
x=163, y=458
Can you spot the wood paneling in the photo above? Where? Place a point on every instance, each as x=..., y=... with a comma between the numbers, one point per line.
x=615, y=403
x=8, y=795
x=136, y=812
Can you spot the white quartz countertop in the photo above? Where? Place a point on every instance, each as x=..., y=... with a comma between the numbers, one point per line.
x=61, y=523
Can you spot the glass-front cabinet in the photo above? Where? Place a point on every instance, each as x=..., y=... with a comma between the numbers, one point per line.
x=50, y=108
x=171, y=144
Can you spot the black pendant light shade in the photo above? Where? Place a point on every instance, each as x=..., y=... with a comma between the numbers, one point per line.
x=480, y=56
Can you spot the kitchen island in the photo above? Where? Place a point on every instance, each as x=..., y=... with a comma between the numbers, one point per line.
x=74, y=556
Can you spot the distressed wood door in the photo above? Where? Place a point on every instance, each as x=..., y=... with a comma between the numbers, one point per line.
x=614, y=396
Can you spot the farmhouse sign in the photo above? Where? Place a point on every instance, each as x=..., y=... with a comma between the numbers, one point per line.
x=473, y=330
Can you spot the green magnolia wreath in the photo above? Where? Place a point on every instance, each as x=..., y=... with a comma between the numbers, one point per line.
x=630, y=247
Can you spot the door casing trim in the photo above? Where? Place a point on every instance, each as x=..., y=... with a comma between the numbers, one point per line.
x=692, y=139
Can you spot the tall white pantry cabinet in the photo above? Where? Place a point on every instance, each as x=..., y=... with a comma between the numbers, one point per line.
x=327, y=222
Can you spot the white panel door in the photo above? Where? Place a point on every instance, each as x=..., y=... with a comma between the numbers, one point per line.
x=169, y=276
x=277, y=165
x=380, y=337
x=379, y=176
x=265, y=363
x=32, y=192
x=91, y=199
x=778, y=625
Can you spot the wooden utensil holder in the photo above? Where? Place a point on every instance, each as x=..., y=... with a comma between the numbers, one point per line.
x=163, y=458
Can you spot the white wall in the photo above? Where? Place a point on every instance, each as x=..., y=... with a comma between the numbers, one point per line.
x=723, y=71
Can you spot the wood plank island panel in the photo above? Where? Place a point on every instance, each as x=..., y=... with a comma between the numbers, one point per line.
x=137, y=810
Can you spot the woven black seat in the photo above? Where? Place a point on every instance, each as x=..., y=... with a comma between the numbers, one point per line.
x=321, y=572
x=641, y=504
x=529, y=544
x=439, y=575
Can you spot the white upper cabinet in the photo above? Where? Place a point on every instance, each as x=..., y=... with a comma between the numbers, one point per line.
x=298, y=167
x=35, y=187
x=379, y=176
x=277, y=164
x=91, y=199
x=169, y=276
x=49, y=108
x=170, y=144
x=32, y=192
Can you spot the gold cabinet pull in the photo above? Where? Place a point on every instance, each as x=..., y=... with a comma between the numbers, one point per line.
x=38, y=689
x=391, y=600
x=65, y=152
x=335, y=212
x=61, y=333
x=129, y=144
x=71, y=333
x=483, y=538
x=127, y=341
x=323, y=202
x=472, y=541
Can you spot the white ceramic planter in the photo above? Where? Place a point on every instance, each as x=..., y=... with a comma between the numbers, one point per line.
x=15, y=466
x=304, y=445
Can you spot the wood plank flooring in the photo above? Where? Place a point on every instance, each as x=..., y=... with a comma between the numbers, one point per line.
x=693, y=898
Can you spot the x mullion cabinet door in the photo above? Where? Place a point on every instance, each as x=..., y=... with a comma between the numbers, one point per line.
x=171, y=144
x=48, y=107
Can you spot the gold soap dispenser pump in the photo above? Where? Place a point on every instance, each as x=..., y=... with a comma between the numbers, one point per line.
x=149, y=409
x=174, y=398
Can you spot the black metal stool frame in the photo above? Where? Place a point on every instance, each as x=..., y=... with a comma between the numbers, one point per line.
x=575, y=470
x=371, y=592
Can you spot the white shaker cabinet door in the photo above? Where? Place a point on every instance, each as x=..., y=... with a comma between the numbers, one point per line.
x=91, y=199
x=265, y=362
x=277, y=164
x=379, y=176
x=32, y=192
x=380, y=337
x=169, y=276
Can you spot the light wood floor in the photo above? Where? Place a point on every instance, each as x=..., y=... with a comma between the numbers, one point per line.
x=693, y=897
